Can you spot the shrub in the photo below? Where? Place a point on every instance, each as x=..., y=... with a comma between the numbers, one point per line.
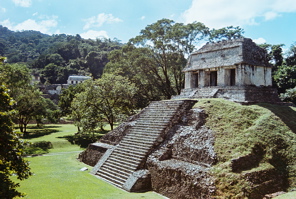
x=83, y=140
x=37, y=148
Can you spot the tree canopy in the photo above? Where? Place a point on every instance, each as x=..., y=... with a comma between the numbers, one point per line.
x=107, y=99
x=11, y=149
x=154, y=60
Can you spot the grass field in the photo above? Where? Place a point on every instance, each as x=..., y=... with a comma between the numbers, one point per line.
x=57, y=174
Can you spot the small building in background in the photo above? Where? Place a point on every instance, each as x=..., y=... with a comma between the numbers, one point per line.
x=75, y=79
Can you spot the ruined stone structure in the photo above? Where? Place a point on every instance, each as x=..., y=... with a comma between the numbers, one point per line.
x=122, y=155
x=237, y=70
x=168, y=148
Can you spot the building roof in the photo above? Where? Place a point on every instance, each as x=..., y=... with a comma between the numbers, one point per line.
x=78, y=78
x=227, y=53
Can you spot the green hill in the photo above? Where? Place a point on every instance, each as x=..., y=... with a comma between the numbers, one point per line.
x=255, y=146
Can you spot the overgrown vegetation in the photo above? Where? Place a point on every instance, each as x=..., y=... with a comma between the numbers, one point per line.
x=238, y=129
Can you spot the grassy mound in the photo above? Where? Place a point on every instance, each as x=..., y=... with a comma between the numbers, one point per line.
x=242, y=130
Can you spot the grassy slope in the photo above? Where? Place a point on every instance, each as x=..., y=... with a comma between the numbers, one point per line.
x=238, y=128
x=57, y=174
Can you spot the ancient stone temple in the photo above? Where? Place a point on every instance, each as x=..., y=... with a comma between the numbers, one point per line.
x=237, y=70
x=169, y=148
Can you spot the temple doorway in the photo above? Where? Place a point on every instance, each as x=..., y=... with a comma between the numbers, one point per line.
x=213, y=78
x=232, y=77
x=195, y=80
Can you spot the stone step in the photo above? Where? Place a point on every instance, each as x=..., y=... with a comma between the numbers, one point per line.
x=116, y=172
x=141, y=139
x=156, y=121
x=118, y=165
x=125, y=164
x=147, y=126
x=139, y=130
x=142, y=134
x=132, y=151
x=127, y=159
x=138, y=144
x=128, y=156
x=135, y=145
x=112, y=179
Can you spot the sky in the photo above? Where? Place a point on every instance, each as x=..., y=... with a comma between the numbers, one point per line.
x=264, y=21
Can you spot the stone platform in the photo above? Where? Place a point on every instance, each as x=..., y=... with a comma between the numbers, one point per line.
x=240, y=94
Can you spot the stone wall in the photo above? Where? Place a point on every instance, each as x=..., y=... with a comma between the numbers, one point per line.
x=179, y=168
x=93, y=153
x=227, y=53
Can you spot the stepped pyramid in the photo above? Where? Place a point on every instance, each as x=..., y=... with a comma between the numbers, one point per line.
x=117, y=165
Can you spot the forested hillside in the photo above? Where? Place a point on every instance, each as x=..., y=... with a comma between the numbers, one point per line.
x=58, y=56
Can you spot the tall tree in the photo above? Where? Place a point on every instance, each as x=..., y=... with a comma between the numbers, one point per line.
x=11, y=150
x=107, y=98
x=168, y=43
x=30, y=102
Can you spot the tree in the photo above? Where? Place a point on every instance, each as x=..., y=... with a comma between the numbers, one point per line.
x=67, y=96
x=107, y=99
x=29, y=101
x=85, y=116
x=168, y=43
x=285, y=77
x=14, y=76
x=277, y=54
x=11, y=150
x=291, y=58
x=227, y=33
x=30, y=104
x=289, y=95
x=274, y=53
x=96, y=62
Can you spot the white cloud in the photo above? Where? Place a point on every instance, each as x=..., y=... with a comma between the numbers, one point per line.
x=92, y=34
x=43, y=26
x=270, y=15
x=3, y=10
x=23, y=3
x=98, y=21
x=259, y=40
x=222, y=13
x=143, y=17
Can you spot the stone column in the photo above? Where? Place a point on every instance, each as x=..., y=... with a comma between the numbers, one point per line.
x=188, y=80
x=239, y=75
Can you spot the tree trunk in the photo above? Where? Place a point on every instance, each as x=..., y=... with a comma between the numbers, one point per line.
x=25, y=128
x=21, y=127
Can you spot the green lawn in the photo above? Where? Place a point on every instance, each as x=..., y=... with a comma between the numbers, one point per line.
x=57, y=174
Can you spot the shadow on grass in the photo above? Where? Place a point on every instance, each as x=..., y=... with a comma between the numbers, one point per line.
x=83, y=140
x=44, y=127
x=39, y=133
x=285, y=113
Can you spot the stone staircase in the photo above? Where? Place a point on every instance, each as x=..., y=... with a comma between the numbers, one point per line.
x=131, y=153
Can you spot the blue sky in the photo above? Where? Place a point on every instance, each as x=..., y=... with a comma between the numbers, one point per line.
x=270, y=21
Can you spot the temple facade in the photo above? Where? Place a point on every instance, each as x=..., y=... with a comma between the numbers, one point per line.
x=237, y=70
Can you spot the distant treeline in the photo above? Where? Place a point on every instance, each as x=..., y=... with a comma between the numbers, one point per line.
x=57, y=56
